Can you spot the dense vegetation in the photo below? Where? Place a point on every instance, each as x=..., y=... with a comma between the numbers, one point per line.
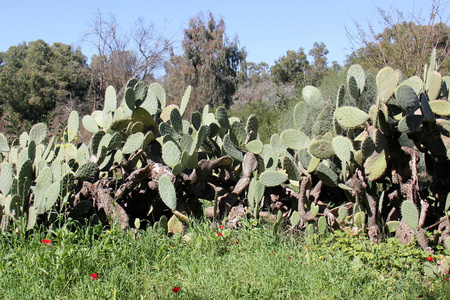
x=353, y=152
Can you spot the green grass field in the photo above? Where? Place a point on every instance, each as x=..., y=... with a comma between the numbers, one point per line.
x=211, y=263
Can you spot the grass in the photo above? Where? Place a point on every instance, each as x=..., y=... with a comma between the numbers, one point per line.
x=247, y=263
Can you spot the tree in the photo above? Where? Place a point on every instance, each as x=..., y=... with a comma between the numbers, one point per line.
x=210, y=64
x=404, y=44
x=319, y=69
x=122, y=56
x=36, y=77
x=290, y=68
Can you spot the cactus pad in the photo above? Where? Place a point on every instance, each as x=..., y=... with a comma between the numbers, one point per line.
x=4, y=146
x=375, y=165
x=350, y=117
x=272, y=178
x=167, y=192
x=343, y=148
x=222, y=117
x=133, y=143
x=171, y=154
x=185, y=100
x=410, y=214
x=87, y=170
x=387, y=80
x=407, y=99
x=321, y=149
x=440, y=107
x=294, y=139
x=38, y=133
x=110, y=100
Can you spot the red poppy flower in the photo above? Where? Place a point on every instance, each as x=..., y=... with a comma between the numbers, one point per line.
x=447, y=279
x=236, y=242
x=94, y=276
x=448, y=271
x=176, y=289
x=431, y=258
x=45, y=241
x=221, y=227
x=219, y=234
x=289, y=258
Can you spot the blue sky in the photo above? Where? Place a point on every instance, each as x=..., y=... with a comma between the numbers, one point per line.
x=267, y=29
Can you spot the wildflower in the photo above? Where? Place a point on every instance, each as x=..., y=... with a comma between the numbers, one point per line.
x=46, y=241
x=176, y=289
x=94, y=276
x=236, y=242
x=431, y=258
x=289, y=258
x=221, y=227
x=219, y=234
x=447, y=279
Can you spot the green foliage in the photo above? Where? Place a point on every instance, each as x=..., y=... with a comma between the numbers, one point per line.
x=47, y=76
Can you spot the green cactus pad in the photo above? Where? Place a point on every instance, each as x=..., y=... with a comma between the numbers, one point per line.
x=300, y=115
x=176, y=121
x=367, y=147
x=166, y=129
x=185, y=100
x=322, y=225
x=73, y=124
x=38, y=133
x=115, y=141
x=294, y=139
x=131, y=83
x=23, y=139
x=387, y=80
x=133, y=143
x=187, y=144
x=167, y=192
x=356, y=80
x=295, y=218
x=171, y=154
x=52, y=195
x=321, y=149
x=290, y=167
x=255, y=193
x=415, y=83
x=95, y=141
x=238, y=135
x=328, y=176
x=251, y=126
x=440, y=107
x=110, y=100
x=25, y=178
x=43, y=181
x=313, y=164
x=86, y=171
x=222, y=117
x=89, y=124
x=311, y=95
x=273, y=178
x=230, y=149
x=314, y=209
x=255, y=146
x=196, y=120
x=433, y=85
x=159, y=92
x=150, y=103
x=6, y=177
x=165, y=114
x=342, y=213
x=130, y=98
x=142, y=115
x=426, y=108
x=343, y=148
x=407, y=99
x=350, y=117
x=410, y=214
x=360, y=219
x=392, y=226
x=375, y=165
x=4, y=145
x=201, y=136
x=140, y=93
x=410, y=123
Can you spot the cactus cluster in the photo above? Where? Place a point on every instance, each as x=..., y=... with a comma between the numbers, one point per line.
x=340, y=166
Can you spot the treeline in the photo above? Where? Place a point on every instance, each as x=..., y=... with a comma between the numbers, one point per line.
x=39, y=81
